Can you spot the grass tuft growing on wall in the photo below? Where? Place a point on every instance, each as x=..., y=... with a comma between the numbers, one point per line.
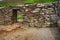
x=2, y=4
x=24, y=2
x=38, y=1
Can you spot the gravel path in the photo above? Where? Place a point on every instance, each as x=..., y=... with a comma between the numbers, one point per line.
x=31, y=34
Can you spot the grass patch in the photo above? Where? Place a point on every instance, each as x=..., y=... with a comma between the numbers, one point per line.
x=2, y=4
x=39, y=1
x=19, y=16
x=24, y=2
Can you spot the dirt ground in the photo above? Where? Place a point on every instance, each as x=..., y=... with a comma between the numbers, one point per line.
x=31, y=34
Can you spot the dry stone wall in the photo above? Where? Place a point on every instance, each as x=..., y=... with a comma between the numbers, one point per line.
x=39, y=15
x=34, y=15
x=5, y=16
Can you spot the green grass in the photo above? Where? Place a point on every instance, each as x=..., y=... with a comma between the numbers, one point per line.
x=39, y=1
x=2, y=4
x=19, y=16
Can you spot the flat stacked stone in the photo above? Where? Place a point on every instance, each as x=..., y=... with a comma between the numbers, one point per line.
x=34, y=15
x=40, y=15
x=5, y=15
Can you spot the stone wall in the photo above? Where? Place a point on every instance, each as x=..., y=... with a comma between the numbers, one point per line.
x=34, y=15
x=5, y=16
x=39, y=15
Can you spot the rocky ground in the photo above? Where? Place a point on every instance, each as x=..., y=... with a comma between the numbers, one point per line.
x=31, y=34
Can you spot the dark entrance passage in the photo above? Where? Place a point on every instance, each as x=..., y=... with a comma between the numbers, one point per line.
x=17, y=16
x=14, y=16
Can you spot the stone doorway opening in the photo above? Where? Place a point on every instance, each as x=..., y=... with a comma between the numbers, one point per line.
x=17, y=16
